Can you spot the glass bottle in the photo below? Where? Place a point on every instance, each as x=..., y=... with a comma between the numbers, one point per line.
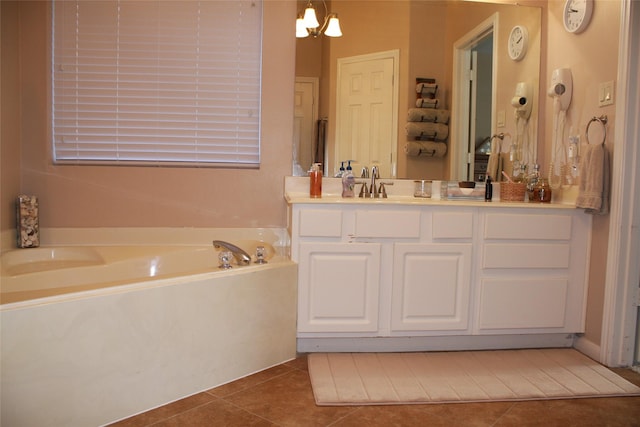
x=532, y=182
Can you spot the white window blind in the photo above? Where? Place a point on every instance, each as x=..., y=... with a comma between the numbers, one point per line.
x=157, y=82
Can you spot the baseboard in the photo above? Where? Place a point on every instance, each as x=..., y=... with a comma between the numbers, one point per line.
x=587, y=347
x=444, y=343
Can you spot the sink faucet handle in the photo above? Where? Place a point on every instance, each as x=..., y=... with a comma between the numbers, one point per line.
x=383, y=190
x=363, y=190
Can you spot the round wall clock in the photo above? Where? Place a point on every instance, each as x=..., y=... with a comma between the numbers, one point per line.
x=518, y=40
x=576, y=15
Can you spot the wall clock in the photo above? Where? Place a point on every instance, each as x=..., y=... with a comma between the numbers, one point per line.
x=518, y=40
x=576, y=15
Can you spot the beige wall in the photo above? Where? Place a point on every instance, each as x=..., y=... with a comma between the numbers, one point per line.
x=101, y=196
x=593, y=59
x=9, y=115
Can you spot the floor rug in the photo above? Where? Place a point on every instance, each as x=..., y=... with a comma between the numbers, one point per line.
x=465, y=376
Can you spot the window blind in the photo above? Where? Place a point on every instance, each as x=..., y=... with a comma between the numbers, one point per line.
x=157, y=82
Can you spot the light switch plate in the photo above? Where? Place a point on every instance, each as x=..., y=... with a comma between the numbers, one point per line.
x=501, y=120
x=605, y=93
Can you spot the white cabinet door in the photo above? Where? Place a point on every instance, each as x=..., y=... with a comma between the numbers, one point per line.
x=431, y=284
x=338, y=287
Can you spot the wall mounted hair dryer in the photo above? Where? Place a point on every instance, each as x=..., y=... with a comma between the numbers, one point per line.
x=523, y=100
x=561, y=88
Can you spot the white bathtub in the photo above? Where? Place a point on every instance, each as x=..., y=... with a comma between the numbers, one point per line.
x=93, y=334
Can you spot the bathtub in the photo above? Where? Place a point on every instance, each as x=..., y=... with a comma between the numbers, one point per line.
x=95, y=333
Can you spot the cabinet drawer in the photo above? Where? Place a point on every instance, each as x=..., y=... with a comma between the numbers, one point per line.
x=452, y=225
x=320, y=223
x=530, y=227
x=532, y=255
x=388, y=223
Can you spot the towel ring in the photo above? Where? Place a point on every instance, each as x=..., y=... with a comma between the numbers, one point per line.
x=603, y=121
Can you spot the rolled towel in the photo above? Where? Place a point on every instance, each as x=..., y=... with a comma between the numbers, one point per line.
x=428, y=90
x=427, y=103
x=427, y=130
x=425, y=149
x=593, y=188
x=428, y=115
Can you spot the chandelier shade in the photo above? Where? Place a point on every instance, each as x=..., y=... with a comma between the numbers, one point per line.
x=307, y=24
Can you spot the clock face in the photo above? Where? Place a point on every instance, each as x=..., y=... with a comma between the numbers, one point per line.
x=518, y=40
x=576, y=15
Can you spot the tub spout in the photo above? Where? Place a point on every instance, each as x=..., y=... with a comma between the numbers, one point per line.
x=241, y=257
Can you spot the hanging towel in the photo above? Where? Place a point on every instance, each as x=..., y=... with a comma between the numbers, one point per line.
x=427, y=90
x=428, y=115
x=425, y=149
x=593, y=189
x=426, y=103
x=427, y=131
x=494, y=165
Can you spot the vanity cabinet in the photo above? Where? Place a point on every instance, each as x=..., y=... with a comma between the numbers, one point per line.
x=438, y=275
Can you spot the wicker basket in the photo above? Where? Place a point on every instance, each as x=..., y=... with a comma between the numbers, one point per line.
x=512, y=192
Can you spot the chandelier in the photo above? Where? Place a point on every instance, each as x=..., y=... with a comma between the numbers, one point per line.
x=308, y=24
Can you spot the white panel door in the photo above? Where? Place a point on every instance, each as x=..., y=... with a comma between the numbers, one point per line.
x=338, y=287
x=431, y=284
x=366, y=121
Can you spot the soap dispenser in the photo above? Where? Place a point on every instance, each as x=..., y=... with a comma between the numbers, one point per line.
x=340, y=173
x=348, y=182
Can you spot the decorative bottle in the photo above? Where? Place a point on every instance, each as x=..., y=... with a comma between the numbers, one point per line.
x=488, y=190
x=542, y=191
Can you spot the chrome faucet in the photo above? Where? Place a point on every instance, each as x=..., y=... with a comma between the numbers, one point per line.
x=365, y=172
x=241, y=257
x=373, y=190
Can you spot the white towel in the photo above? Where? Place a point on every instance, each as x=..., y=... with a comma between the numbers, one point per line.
x=425, y=149
x=494, y=165
x=593, y=189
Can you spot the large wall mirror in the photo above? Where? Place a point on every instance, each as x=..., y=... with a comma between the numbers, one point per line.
x=421, y=39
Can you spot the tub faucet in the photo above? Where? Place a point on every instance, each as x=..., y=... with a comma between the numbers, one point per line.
x=241, y=257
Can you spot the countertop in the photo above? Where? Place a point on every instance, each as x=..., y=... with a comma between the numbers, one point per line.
x=399, y=193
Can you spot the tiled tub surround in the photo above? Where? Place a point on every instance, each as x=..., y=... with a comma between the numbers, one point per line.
x=98, y=354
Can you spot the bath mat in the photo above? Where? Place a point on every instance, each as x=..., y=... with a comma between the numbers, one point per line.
x=465, y=376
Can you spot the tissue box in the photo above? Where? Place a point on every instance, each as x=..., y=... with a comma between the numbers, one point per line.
x=455, y=192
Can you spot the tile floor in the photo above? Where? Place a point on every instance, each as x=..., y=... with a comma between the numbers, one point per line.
x=282, y=396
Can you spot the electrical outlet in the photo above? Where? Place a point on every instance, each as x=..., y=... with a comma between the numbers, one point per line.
x=605, y=94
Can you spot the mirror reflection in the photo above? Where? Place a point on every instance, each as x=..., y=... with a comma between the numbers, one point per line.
x=386, y=49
